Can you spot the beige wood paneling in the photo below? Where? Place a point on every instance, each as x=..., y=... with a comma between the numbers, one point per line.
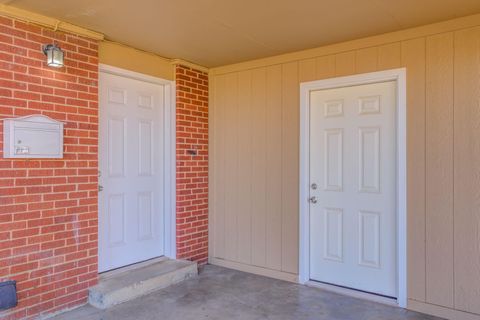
x=366, y=60
x=467, y=170
x=307, y=70
x=439, y=170
x=413, y=59
x=273, y=150
x=217, y=186
x=244, y=154
x=389, y=56
x=290, y=151
x=231, y=167
x=443, y=152
x=325, y=67
x=259, y=167
x=345, y=63
x=122, y=56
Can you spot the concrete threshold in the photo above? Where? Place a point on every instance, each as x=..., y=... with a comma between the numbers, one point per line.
x=130, y=282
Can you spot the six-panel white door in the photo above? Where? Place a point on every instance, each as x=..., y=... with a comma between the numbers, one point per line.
x=131, y=161
x=353, y=182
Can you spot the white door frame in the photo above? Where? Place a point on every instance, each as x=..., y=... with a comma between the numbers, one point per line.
x=399, y=76
x=169, y=152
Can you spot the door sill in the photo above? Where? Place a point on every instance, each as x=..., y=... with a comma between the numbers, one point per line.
x=353, y=293
x=110, y=273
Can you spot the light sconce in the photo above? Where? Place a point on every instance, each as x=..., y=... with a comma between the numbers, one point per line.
x=54, y=55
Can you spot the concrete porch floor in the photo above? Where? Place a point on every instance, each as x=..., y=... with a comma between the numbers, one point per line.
x=219, y=293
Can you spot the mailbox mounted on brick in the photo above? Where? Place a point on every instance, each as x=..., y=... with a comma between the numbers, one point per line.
x=35, y=136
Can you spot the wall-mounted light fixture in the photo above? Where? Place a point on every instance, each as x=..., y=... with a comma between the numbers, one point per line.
x=54, y=55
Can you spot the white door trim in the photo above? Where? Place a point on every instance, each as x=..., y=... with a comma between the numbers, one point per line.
x=399, y=76
x=170, y=150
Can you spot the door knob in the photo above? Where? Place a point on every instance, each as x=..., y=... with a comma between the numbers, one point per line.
x=313, y=199
x=100, y=188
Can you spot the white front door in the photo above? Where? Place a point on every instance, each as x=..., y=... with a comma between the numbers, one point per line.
x=131, y=161
x=353, y=182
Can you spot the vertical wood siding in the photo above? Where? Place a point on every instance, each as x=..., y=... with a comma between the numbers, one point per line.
x=466, y=177
x=254, y=169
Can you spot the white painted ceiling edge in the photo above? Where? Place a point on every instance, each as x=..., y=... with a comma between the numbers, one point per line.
x=214, y=33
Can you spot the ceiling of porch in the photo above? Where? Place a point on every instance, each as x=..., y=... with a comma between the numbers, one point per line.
x=219, y=32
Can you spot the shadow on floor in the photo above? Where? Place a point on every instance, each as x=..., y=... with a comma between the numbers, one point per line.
x=220, y=293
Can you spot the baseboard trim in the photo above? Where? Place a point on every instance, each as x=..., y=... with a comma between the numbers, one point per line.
x=353, y=293
x=440, y=311
x=280, y=275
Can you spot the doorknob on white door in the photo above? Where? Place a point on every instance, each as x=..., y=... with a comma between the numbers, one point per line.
x=313, y=199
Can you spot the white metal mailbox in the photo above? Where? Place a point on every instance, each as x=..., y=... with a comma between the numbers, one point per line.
x=35, y=136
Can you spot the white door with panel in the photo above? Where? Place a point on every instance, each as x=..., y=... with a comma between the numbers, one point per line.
x=353, y=187
x=131, y=161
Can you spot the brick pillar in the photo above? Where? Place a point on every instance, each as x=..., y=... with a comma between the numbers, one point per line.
x=192, y=163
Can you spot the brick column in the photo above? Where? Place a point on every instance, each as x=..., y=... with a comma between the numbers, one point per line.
x=192, y=164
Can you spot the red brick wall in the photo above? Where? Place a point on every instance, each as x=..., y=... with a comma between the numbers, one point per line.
x=192, y=170
x=48, y=208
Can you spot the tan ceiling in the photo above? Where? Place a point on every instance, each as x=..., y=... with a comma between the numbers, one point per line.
x=219, y=32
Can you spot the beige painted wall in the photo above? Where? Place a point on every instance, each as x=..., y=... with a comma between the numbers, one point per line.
x=121, y=56
x=254, y=165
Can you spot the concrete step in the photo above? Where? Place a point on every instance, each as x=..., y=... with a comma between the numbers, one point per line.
x=131, y=282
